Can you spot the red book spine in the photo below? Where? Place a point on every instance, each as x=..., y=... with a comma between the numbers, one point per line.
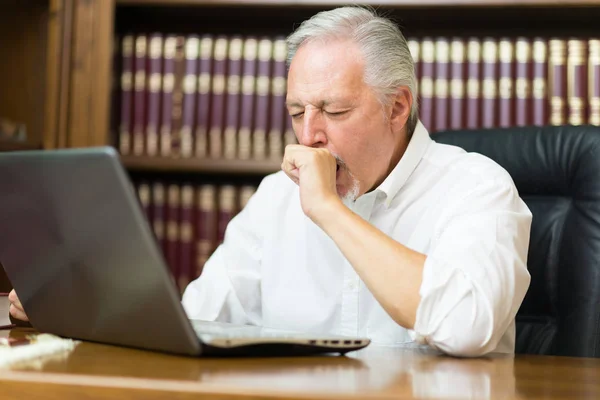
x=246, y=192
x=233, y=88
x=457, y=84
x=173, y=226
x=125, y=125
x=247, y=102
x=558, y=82
x=263, y=85
x=415, y=51
x=505, y=83
x=203, y=100
x=169, y=50
x=186, y=237
x=577, y=81
x=139, y=97
x=218, y=97
x=154, y=87
x=143, y=191
x=474, y=84
x=442, y=73
x=175, y=149
x=190, y=80
x=594, y=81
x=206, y=225
x=523, y=83
x=227, y=209
x=426, y=82
x=540, y=79
x=489, y=90
x=278, y=90
x=158, y=215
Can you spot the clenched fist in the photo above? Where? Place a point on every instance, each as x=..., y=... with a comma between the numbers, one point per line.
x=315, y=171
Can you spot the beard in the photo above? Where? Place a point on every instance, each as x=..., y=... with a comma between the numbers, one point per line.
x=352, y=193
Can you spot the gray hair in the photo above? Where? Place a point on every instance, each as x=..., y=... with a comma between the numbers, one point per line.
x=388, y=62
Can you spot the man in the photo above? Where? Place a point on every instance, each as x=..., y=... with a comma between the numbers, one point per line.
x=371, y=229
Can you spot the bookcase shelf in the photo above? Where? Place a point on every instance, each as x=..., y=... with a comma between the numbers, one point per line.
x=196, y=165
x=388, y=3
x=15, y=146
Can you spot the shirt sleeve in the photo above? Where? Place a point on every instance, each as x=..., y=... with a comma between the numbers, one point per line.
x=228, y=290
x=475, y=276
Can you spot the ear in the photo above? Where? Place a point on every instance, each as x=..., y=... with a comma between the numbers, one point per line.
x=401, y=105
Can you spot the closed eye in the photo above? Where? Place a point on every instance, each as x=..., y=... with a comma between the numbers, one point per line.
x=336, y=112
x=297, y=115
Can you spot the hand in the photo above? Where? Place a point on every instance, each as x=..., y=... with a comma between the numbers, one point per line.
x=16, y=308
x=314, y=170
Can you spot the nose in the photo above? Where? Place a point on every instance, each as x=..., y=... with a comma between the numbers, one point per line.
x=313, y=128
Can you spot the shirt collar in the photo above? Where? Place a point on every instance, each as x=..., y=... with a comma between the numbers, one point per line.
x=415, y=151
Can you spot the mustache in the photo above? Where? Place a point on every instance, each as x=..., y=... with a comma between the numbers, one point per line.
x=340, y=162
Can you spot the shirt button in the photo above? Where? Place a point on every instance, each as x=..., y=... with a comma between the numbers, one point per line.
x=351, y=286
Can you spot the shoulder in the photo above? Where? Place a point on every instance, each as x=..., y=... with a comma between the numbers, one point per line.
x=454, y=164
x=275, y=190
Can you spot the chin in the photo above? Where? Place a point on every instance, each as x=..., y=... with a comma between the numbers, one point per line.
x=348, y=192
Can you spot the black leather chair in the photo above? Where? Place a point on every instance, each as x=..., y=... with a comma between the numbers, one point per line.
x=557, y=173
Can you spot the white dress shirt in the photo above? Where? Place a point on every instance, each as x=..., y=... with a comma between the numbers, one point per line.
x=276, y=268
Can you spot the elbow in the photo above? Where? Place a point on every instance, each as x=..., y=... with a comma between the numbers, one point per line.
x=468, y=345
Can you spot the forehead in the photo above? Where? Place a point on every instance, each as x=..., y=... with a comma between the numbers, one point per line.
x=325, y=69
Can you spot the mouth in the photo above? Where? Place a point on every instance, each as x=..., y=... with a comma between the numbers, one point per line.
x=337, y=168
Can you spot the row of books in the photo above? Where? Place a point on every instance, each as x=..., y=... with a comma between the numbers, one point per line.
x=503, y=82
x=202, y=96
x=223, y=96
x=189, y=221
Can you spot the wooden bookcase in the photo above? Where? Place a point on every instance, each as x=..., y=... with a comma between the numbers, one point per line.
x=96, y=22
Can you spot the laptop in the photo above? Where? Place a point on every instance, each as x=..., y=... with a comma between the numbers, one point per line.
x=77, y=248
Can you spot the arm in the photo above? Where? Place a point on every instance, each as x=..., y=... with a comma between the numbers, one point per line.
x=390, y=270
x=229, y=288
x=464, y=295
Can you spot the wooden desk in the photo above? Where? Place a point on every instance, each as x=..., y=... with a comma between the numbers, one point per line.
x=108, y=372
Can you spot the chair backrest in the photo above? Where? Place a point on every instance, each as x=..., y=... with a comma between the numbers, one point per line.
x=557, y=172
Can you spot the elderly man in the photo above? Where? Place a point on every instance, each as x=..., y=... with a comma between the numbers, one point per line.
x=371, y=228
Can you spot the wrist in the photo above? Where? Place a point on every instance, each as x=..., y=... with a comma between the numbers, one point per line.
x=327, y=211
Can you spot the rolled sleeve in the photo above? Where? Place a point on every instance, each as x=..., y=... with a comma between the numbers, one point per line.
x=475, y=276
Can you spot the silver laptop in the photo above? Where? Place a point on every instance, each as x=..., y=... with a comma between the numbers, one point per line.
x=80, y=253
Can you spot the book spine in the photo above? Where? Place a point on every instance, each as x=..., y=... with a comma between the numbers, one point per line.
x=204, y=95
x=523, y=82
x=158, y=215
x=190, y=83
x=125, y=125
x=175, y=148
x=594, y=81
x=489, y=89
x=173, y=226
x=139, y=97
x=218, y=96
x=442, y=59
x=170, y=47
x=278, y=90
x=154, y=84
x=206, y=225
x=263, y=86
x=232, y=114
x=414, y=46
x=227, y=209
x=426, y=83
x=577, y=81
x=540, y=78
x=186, y=236
x=457, y=84
x=246, y=192
x=558, y=82
x=248, y=97
x=506, y=83
x=474, y=83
